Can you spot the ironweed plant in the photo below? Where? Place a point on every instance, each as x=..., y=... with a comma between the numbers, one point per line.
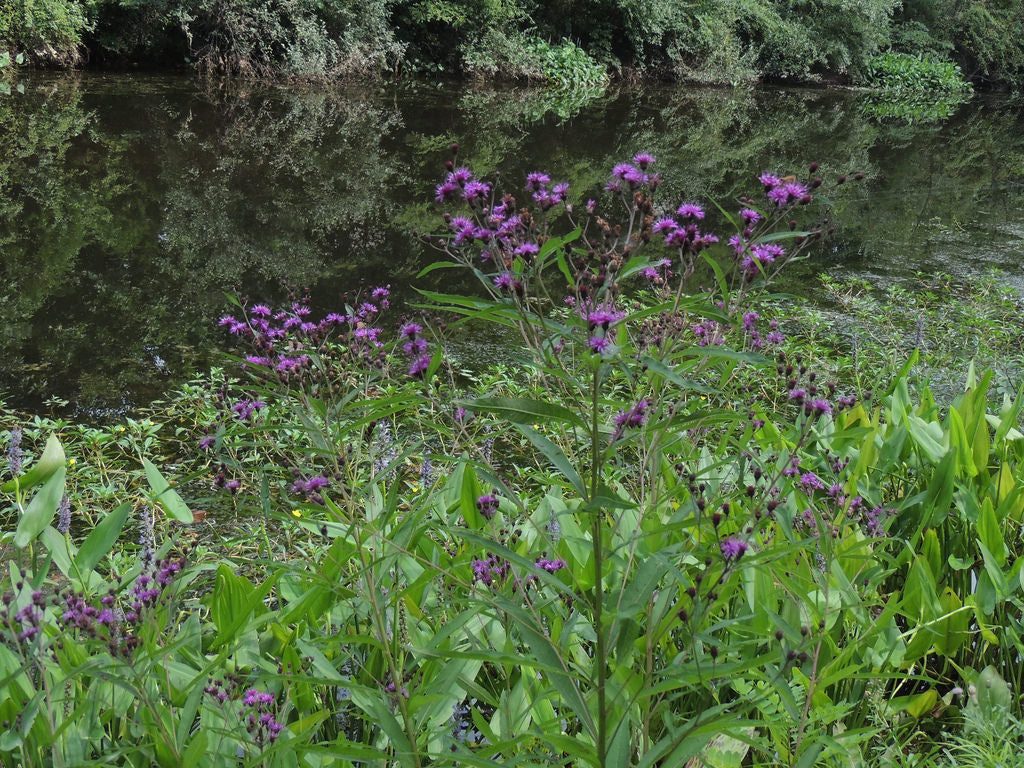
x=663, y=539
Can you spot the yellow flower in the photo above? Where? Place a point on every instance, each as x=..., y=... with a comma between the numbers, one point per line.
x=72, y=460
x=296, y=513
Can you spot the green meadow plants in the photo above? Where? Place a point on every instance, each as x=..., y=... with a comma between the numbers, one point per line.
x=665, y=536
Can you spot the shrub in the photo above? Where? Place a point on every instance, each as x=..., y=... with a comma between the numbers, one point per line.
x=904, y=72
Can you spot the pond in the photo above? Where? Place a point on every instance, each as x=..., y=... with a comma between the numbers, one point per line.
x=130, y=204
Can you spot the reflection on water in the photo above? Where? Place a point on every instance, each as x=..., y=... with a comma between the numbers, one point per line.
x=129, y=205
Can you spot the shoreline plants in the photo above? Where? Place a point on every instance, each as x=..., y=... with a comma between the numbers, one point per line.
x=664, y=538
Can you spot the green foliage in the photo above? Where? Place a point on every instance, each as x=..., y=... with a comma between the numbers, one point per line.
x=46, y=31
x=903, y=72
x=566, y=65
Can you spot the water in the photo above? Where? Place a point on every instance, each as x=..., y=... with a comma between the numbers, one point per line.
x=129, y=205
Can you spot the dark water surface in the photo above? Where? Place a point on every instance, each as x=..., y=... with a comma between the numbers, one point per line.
x=130, y=204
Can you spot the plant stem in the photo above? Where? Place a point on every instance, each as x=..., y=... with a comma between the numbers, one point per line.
x=596, y=535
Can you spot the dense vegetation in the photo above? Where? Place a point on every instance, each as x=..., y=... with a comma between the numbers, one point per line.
x=703, y=40
x=684, y=525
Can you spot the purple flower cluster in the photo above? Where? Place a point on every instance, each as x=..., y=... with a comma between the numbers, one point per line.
x=784, y=192
x=487, y=506
x=551, y=566
x=261, y=720
x=629, y=177
x=281, y=340
x=537, y=186
x=682, y=231
x=415, y=346
x=30, y=617
x=632, y=418
x=311, y=487
x=490, y=571
x=459, y=184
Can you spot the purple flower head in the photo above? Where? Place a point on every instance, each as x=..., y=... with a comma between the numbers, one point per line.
x=419, y=367
x=643, y=160
x=613, y=186
x=623, y=170
x=559, y=192
x=811, y=482
x=602, y=318
x=415, y=347
x=446, y=192
x=818, y=407
x=487, y=572
x=315, y=483
x=690, y=211
x=551, y=566
x=476, y=191
x=260, y=310
x=665, y=225
x=591, y=205
x=750, y=216
x=634, y=417
x=487, y=505
x=461, y=176
x=536, y=181
x=598, y=344
x=246, y=407
x=207, y=443
x=511, y=225
x=503, y=281
x=737, y=244
x=733, y=548
x=411, y=330
x=750, y=321
x=527, y=249
x=769, y=180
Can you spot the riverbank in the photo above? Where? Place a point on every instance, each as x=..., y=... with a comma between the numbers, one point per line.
x=566, y=41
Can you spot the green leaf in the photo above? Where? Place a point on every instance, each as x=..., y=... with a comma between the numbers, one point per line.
x=101, y=538
x=523, y=410
x=991, y=533
x=556, y=456
x=166, y=496
x=438, y=265
x=41, y=509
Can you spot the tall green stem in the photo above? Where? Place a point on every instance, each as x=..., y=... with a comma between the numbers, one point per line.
x=597, y=543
